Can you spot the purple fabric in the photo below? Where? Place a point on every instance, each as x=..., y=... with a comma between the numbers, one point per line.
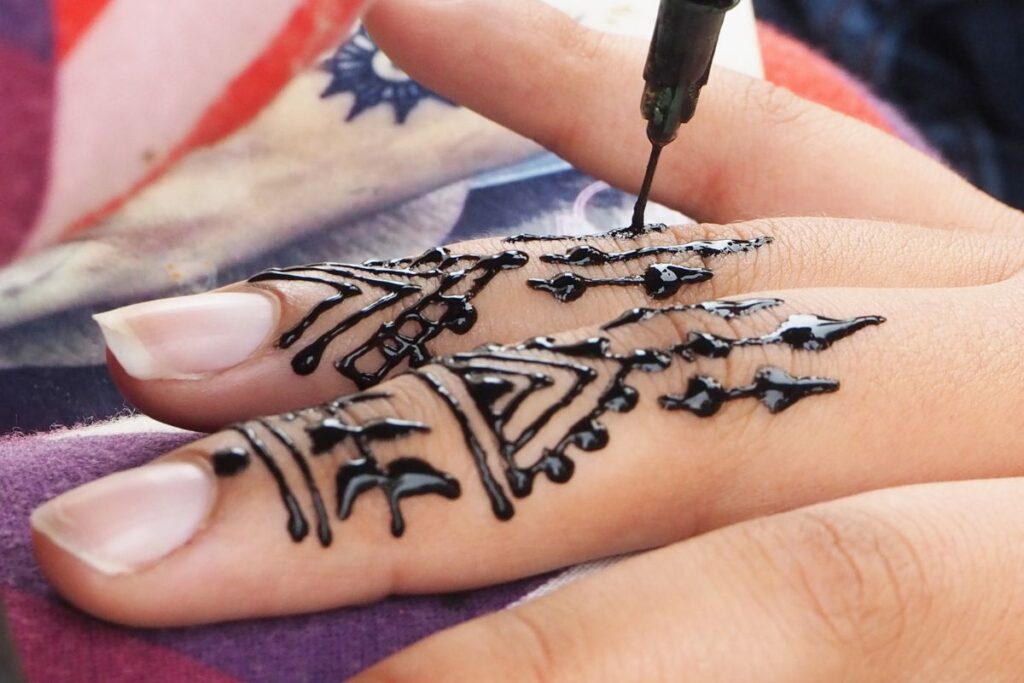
x=26, y=25
x=325, y=646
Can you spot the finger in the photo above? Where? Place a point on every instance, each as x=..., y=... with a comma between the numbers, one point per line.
x=752, y=150
x=504, y=463
x=294, y=337
x=898, y=585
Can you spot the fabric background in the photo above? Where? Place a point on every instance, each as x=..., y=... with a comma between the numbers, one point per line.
x=954, y=67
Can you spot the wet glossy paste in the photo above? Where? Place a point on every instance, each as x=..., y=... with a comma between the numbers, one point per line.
x=658, y=280
x=433, y=294
x=430, y=281
x=550, y=376
x=326, y=429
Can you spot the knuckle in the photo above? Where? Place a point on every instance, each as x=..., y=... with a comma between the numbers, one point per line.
x=859, y=577
x=537, y=653
x=585, y=43
x=402, y=396
x=1003, y=261
x=745, y=271
x=777, y=104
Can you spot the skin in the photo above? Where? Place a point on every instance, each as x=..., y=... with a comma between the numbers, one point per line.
x=843, y=539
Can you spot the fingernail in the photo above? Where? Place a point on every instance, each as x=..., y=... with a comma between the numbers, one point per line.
x=188, y=336
x=128, y=520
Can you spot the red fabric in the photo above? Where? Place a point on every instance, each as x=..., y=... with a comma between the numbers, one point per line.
x=790, y=63
x=73, y=18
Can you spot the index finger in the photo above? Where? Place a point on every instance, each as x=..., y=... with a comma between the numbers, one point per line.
x=753, y=149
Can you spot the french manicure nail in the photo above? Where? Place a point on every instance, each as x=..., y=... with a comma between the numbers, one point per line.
x=121, y=523
x=189, y=336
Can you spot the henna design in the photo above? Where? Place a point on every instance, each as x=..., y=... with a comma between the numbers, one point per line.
x=587, y=255
x=620, y=233
x=432, y=293
x=658, y=280
x=488, y=376
x=326, y=429
x=500, y=504
x=774, y=387
x=723, y=309
x=513, y=374
x=801, y=332
x=405, y=337
x=401, y=478
x=322, y=524
x=298, y=527
x=549, y=376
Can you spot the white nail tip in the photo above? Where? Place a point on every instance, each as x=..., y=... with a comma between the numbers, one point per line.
x=188, y=337
x=126, y=348
x=124, y=522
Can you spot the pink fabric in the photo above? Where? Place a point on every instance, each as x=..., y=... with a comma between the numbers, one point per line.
x=26, y=103
x=142, y=83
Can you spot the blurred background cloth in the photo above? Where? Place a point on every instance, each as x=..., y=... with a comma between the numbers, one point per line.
x=954, y=67
x=187, y=147
x=100, y=96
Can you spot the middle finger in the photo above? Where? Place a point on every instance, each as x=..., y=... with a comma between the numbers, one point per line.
x=315, y=332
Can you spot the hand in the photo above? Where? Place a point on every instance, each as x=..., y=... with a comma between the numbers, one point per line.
x=679, y=422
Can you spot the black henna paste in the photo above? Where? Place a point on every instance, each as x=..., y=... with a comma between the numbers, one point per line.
x=587, y=255
x=774, y=387
x=620, y=233
x=658, y=280
x=443, y=286
x=432, y=293
x=326, y=429
x=297, y=525
x=801, y=332
x=400, y=479
x=500, y=504
x=723, y=309
x=550, y=378
x=230, y=461
x=323, y=525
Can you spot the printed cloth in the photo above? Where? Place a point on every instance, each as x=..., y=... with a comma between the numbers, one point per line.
x=283, y=160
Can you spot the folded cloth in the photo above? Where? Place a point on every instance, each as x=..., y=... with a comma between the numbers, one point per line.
x=104, y=95
x=55, y=641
